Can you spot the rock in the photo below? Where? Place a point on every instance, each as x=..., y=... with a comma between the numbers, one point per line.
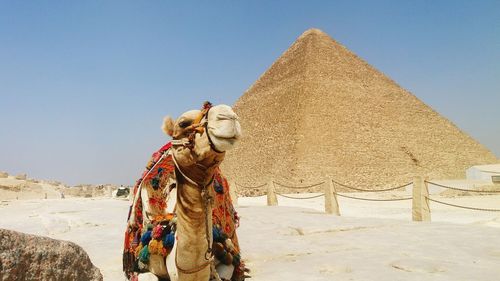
x=52, y=182
x=15, y=188
x=21, y=177
x=3, y=175
x=31, y=257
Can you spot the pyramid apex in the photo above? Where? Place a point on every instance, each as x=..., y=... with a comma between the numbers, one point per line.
x=313, y=31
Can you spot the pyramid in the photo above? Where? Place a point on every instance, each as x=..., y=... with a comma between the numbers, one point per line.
x=322, y=112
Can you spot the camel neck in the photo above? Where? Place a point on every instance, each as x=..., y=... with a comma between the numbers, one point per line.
x=193, y=221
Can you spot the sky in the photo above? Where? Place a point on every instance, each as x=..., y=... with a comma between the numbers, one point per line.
x=84, y=85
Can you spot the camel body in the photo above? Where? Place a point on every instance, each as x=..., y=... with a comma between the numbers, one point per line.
x=191, y=163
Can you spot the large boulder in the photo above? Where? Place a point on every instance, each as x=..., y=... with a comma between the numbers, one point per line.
x=4, y=174
x=31, y=257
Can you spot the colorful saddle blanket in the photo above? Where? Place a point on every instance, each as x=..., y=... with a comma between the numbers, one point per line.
x=154, y=234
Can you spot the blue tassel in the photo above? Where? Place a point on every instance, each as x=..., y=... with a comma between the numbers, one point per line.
x=215, y=234
x=236, y=260
x=218, y=235
x=146, y=237
x=218, y=187
x=169, y=240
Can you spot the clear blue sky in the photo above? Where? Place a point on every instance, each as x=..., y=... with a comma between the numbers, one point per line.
x=84, y=85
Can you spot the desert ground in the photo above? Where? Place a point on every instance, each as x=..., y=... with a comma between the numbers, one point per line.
x=298, y=241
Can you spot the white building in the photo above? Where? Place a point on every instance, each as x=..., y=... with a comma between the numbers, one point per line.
x=484, y=172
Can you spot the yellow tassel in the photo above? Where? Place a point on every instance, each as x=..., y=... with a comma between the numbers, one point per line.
x=156, y=247
x=138, y=249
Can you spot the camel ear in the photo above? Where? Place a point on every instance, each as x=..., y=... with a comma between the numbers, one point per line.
x=168, y=125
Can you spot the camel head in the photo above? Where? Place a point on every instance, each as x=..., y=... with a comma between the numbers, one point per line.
x=201, y=139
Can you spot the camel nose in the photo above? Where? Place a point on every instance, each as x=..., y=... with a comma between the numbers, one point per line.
x=226, y=125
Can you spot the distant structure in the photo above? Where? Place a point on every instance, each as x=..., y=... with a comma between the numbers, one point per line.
x=484, y=172
x=321, y=111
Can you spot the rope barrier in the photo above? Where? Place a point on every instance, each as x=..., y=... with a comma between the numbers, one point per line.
x=461, y=189
x=251, y=187
x=368, y=199
x=372, y=190
x=298, y=187
x=290, y=197
x=463, y=207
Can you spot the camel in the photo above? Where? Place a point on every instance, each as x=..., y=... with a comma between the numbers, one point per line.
x=200, y=139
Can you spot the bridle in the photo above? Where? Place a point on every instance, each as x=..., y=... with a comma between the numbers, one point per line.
x=199, y=125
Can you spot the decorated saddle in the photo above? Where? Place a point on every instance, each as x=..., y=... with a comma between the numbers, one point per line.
x=151, y=229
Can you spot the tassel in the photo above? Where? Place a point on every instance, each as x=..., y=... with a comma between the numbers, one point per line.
x=146, y=237
x=138, y=250
x=157, y=232
x=144, y=254
x=218, y=235
x=219, y=251
x=169, y=240
x=165, y=251
x=236, y=260
x=228, y=259
x=218, y=187
x=230, y=246
x=155, y=247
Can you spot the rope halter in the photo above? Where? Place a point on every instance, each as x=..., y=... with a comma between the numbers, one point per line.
x=199, y=125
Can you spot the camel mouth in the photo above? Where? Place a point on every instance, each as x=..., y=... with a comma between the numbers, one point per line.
x=225, y=137
x=224, y=140
x=223, y=127
x=229, y=130
x=231, y=140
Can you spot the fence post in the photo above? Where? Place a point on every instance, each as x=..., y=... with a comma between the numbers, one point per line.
x=271, y=196
x=233, y=193
x=427, y=207
x=420, y=204
x=331, y=203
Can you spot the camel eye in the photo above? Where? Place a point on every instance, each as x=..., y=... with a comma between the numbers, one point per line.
x=184, y=124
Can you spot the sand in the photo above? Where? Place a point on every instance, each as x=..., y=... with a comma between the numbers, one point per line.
x=297, y=241
x=12, y=188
